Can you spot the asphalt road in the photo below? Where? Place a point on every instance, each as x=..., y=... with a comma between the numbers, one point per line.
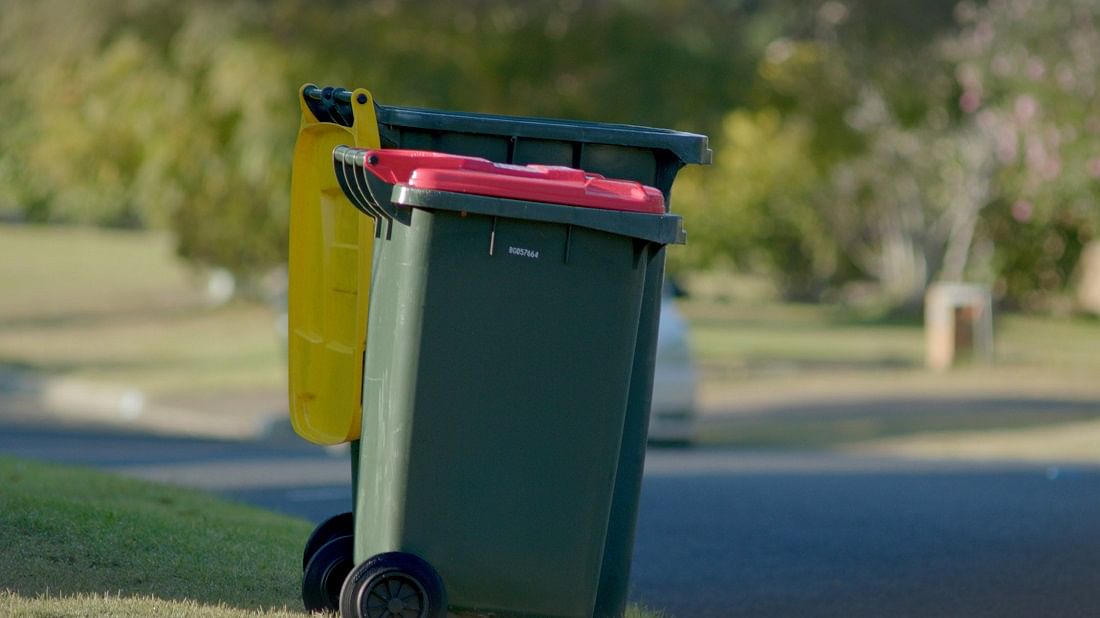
x=735, y=533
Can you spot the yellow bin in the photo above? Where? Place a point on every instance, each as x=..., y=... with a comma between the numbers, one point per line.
x=329, y=279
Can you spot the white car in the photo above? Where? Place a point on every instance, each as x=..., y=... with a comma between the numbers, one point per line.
x=672, y=414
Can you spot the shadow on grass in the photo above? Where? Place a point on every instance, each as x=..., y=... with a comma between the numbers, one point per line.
x=830, y=424
x=759, y=365
x=98, y=317
x=55, y=368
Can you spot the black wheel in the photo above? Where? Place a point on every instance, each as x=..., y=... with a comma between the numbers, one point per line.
x=393, y=585
x=337, y=525
x=325, y=574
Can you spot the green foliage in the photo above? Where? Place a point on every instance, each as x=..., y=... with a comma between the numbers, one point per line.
x=756, y=207
x=1028, y=74
x=67, y=531
x=906, y=210
x=961, y=144
x=679, y=64
x=912, y=140
x=150, y=113
x=157, y=113
x=860, y=179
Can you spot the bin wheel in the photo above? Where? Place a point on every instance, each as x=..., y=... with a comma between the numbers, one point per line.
x=325, y=574
x=393, y=585
x=337, y=525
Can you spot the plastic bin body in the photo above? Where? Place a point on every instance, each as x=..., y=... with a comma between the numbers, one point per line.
x=492, y=422
x=497, y=379
x=650, y=156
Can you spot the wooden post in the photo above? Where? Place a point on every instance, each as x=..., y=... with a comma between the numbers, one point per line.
x=958, y=317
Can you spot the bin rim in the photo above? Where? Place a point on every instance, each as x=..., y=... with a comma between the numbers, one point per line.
x=426, y=169
x=662, y=229
x=378, y=196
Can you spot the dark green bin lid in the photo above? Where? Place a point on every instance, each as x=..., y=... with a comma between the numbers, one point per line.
x=334, y=105
x=689, y=148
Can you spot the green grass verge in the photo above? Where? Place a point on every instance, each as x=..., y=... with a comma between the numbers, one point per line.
x=17, y=606
x=824, y=379
x=78, y=542
x=201, y=350
x=69, y=272
x=746, y=340
x=859, y=424
x=118, y=306
x=105, y=606
x=76, y=539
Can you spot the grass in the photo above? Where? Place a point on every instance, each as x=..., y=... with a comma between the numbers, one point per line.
x=806, y=376
x=861, y=422
x=1064, y=442
x=78, y=543
x=45, y=606
x=58, y=273
x=228, y=348
x=752, y=339
x=84, y=543
x=117, y=306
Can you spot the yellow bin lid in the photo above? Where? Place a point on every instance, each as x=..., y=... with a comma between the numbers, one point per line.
x=329, y=279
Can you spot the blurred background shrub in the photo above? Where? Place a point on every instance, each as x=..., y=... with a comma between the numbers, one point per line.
x=858, y=142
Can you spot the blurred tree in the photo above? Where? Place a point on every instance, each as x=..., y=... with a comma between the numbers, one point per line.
x=1029, y=74
x=939, y=149
x=871, y=178
x=883, y=139
x=906, y=210
x=756, y=207
x=150, y=112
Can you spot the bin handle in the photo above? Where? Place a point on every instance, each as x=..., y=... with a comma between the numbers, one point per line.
x=330, y=104
x=317, y=94
x=359, y=187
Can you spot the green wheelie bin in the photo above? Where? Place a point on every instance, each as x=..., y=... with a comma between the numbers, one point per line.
x=503, y=322
x=647, y=155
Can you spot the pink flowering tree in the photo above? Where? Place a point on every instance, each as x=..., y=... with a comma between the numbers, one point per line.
x=1029, y=74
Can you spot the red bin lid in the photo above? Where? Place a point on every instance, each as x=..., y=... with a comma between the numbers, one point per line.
x=423, y=169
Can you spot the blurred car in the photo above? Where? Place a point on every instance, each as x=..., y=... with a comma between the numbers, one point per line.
x=675, y=378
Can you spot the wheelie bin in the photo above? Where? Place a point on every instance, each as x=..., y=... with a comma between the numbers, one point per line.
x=503, y=323
x=650, y=156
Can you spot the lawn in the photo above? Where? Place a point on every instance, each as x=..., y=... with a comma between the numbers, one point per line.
x=812, y=376
x=739, y=340
x=84, y=543
x=119, y=307
x=78, y=542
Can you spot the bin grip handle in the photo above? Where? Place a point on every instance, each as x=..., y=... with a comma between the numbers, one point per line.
x=363, y=190
x=329, y=104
